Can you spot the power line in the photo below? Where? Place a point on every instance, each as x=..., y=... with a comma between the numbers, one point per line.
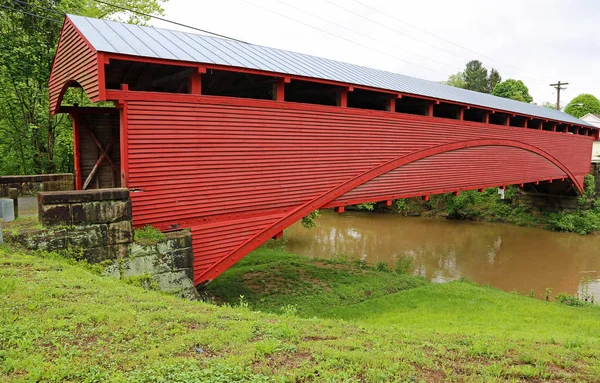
x=168, y=21
x=422, y=30
x=340, y=37
x=62, y=14
x=364, y=35
x=31, y=14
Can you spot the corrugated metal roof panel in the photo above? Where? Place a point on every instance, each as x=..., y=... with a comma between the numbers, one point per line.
x=127, y=39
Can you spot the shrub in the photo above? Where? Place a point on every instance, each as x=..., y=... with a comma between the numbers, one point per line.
x=368, y=206
x=148, y=234
x=569, y=300
x=582, y=222
x=404, y=264
x=308, y=221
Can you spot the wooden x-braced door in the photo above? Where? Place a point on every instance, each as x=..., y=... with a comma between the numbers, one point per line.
x=99, y=152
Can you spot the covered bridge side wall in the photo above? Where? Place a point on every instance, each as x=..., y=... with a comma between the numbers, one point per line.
x=75, y=61
x=229, y=168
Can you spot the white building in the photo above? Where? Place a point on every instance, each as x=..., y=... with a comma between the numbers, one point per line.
x=594, y=119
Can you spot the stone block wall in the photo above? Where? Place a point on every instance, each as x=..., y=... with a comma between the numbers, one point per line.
x=96, y=221
x=96, y=226
x=32, y=184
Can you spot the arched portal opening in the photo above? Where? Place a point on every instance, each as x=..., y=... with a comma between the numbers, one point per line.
x=96, y=138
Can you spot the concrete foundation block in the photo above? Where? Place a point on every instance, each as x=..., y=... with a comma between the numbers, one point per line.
x=55, y=215
x=180, y=239
x=181, y=258
x=144, y=265
x=101, y=212
x=136, y=250
x=120, y=232
x=173, y=281
x=89, y=236
x=49, y=240
x=104, y=253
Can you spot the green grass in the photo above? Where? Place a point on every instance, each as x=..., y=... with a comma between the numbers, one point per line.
x=61, y=322
x=148, y=235
x=272, y=280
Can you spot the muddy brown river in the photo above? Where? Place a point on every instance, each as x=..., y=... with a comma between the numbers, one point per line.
x=508, y=257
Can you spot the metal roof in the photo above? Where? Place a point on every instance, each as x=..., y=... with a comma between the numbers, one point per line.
x=135, y=40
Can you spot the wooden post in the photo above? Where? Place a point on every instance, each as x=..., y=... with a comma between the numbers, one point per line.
x=507, y=122
x=13, y=193
x=76, y=152
x=343, y=98
x=461, y=114
x=339, y=209
x=430, y=109
x=392, y=104
x=487, y=118
x=279, y=90
x=195, y=82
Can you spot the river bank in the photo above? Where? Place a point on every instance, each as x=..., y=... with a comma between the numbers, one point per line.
x=61, y=321
x=513, y=258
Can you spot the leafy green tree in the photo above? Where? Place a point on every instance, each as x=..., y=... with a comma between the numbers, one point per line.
x=31, y=141
x=549, y=105
x=582, y=105
x=493, y=80
x=513, y=89
x=475, y=77
x=456, y=80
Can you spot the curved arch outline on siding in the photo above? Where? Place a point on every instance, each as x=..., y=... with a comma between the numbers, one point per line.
x=356, y=181
x=61, y=95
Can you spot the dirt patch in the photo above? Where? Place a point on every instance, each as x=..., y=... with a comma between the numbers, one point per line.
x=265, y=281
x=283, y=361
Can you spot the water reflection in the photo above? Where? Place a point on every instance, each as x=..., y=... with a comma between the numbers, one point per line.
x=508, y=257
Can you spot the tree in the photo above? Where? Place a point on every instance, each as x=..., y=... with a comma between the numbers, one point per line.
x=30, y=140
x=582, y=105
x=456, y=80
x=549, y=105
x=475, y=77
x=513, y=89
x=493, y=80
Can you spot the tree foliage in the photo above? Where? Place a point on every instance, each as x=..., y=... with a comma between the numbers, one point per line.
x=475, y=77
x=582, y=105
x=456, y=80
x=31, y=141
x=513, y=89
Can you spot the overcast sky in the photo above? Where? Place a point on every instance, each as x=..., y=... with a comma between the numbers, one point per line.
x=539, y=42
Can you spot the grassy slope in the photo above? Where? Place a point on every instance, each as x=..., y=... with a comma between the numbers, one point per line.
x=271, y=279
x=61, y=322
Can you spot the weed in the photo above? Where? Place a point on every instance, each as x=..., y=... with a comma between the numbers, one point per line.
x=308, y=221
x=144, y=280
x=382, y=266
x=404, y=264
x=367, y=206
x=548, y=293
x=148, y=235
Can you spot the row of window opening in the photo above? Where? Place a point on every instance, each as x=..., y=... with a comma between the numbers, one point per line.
x=175, y=79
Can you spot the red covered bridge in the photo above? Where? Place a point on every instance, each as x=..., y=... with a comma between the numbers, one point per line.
x=238, y=141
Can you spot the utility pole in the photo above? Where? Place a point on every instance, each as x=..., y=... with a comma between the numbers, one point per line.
x=558, y=88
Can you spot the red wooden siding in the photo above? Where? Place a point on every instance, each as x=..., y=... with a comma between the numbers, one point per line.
x=76, y=61
x=239, y=171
